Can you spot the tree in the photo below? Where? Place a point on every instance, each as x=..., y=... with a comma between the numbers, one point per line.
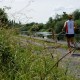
x=3, y=18
x=40, y=26
x=50, y=24
x=59, y=26
x=58, y=17
x=76, y=14
x=34, y=27
x=64, y=16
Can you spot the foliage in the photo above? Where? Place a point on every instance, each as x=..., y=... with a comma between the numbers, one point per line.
x=8, y=65
x=49, y=24
x=77, y=31
x=64, y=16
x=76, y=14
x=78, y=23
x=59, y=25
x=20, y=60
x=3, y=18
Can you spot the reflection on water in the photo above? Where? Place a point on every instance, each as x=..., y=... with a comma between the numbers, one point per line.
x=44, y=33
x=38, y=34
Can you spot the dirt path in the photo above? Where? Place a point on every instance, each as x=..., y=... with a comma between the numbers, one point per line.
x=72, y=63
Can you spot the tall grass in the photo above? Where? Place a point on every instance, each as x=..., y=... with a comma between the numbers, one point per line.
x=20, y=60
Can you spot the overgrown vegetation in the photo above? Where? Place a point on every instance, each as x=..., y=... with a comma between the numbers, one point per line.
x=20, y=59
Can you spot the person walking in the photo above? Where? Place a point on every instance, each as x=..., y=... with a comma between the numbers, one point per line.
x=69, y=27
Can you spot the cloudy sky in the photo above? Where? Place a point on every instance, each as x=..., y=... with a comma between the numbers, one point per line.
x=37, y=10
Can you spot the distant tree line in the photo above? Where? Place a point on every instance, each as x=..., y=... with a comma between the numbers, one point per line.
x=53, y=24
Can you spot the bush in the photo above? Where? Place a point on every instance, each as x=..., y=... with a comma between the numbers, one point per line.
x=8, y=65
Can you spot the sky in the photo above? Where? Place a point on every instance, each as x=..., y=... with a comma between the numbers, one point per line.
x=39, y=11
